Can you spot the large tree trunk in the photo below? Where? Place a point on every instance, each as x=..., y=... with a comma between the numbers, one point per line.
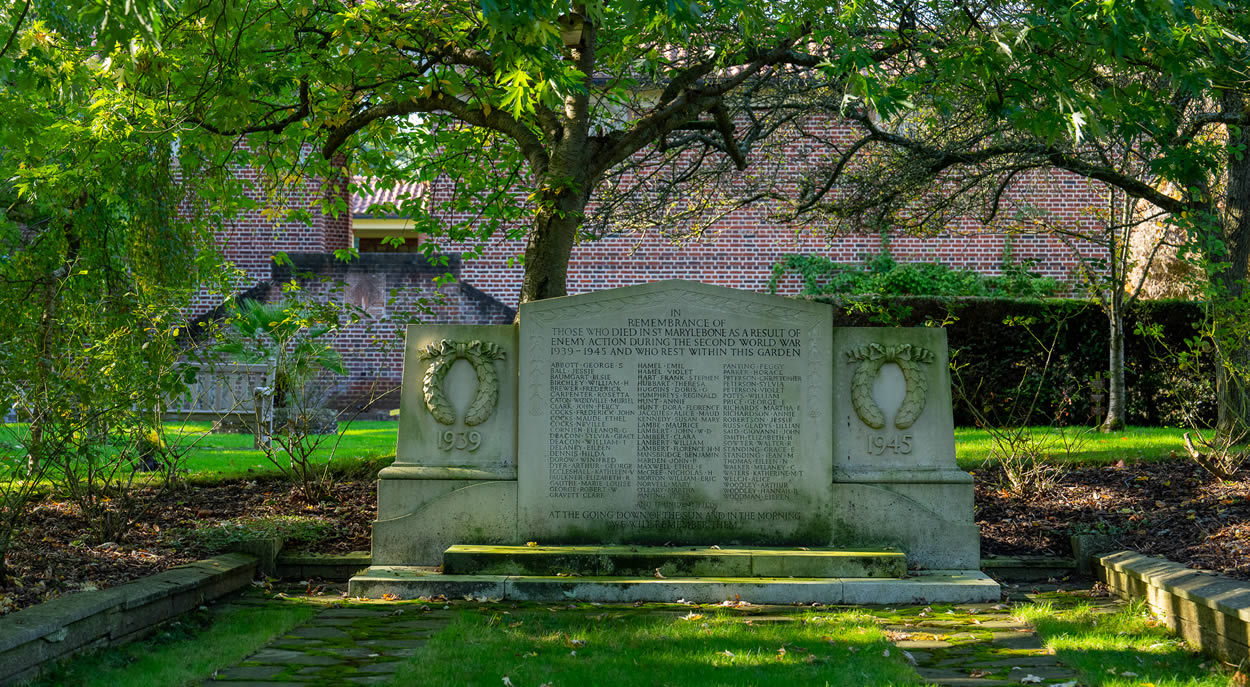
x=549, y=246
x=1232, y=324
x=564, y=188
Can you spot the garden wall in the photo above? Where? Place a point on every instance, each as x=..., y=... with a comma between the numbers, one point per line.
x=386, y=291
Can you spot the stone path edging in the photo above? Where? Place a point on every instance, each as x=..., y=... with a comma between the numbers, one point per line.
x=1212, y=612
x=33, y=637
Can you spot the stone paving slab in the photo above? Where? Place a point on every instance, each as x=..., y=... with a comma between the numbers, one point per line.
x=338, y=646
x=976, y=654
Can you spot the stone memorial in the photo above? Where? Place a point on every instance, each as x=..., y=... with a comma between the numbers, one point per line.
x=676, y=413
x=680, y=415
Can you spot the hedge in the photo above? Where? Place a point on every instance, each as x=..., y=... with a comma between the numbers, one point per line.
x=996, y=343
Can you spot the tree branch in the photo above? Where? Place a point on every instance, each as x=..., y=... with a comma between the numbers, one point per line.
x=681, y=107
x=938, y=160
x=16, y=27
x=726, y=128
x=497, y=120
x=301, y=111
x=1202, y=119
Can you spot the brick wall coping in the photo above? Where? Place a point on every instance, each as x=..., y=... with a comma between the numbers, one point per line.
x=34, y=637
x=1212, y=612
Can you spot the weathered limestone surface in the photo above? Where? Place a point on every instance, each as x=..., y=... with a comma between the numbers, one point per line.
x=479, y=512
x=1210, y=611
x=958, y=586
x=454, y=475
x=457, y=417
x=675, y=412
x=895, y=478
x=671, y=561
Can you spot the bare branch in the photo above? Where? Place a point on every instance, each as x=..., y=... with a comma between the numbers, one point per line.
x=726, y=128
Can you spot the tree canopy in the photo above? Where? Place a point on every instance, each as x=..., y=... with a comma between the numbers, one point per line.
x=1150, y=98
x=549, y=97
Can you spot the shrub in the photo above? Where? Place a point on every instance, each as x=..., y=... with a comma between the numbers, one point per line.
x=996, y=340
x=301, y=529
x=884, y=276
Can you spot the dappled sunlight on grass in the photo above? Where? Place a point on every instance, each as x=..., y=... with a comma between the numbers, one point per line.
x=224, y=456
x=974, y=446
x=1124, y=648
x=187, y=650
x=630, y=647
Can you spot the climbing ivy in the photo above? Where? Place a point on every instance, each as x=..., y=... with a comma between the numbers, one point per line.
x=882, y=274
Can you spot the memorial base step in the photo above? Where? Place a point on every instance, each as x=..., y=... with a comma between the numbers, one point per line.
x=672, y=561
x=931, y=586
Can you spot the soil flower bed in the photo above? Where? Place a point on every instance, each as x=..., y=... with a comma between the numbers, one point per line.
x=1168, y=508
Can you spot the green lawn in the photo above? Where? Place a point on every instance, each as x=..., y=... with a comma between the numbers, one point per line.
x=364, y=446
x=1089, y=447
x=627, y=647
x=368, y=445
x=1126, y=648
x=532, y=644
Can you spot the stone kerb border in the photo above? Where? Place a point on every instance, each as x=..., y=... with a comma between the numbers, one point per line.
x=33, y=637
x=1210, y=611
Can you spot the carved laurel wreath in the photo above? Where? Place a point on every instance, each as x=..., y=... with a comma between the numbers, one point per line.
x=870, y=358
x=482, y=355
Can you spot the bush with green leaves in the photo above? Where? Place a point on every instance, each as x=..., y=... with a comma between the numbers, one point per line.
x=101, y=251
x=294, y=337
x=996, y=342
x=292, y=529
x=883, y=275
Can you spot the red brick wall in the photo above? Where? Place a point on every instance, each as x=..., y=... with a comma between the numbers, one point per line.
x=250, y=240
x=372, y=347
x=741, y=250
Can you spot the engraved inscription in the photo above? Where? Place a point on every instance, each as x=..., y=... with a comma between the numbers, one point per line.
x=459, y=441
x=881, y=444
x=633, y=412
x=670, y=413
x=590, y=422
x=679, y=415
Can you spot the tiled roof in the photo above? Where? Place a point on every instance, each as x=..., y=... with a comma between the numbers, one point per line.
x=384, y=201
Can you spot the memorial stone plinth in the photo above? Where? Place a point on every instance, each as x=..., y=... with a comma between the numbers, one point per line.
x=675, y=412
